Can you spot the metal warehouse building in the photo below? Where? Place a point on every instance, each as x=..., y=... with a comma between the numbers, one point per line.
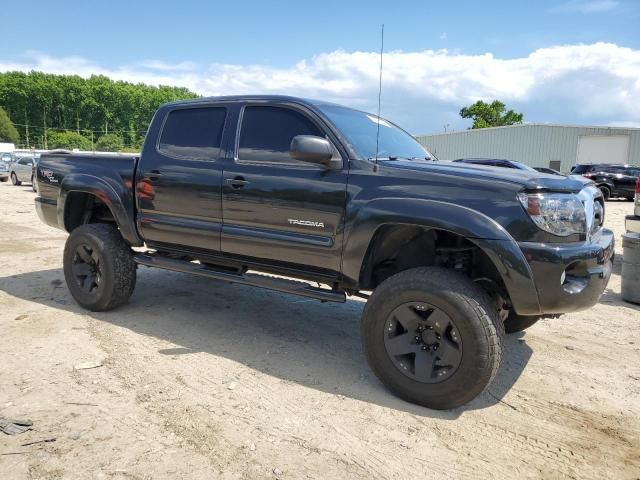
x=540, y=145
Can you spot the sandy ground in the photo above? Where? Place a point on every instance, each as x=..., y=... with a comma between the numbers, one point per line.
x=201, y=379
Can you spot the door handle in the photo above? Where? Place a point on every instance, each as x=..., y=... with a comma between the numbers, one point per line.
x=153, y=174
x=237, y=182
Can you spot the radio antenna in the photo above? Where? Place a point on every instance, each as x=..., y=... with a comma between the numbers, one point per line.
x=379, y=92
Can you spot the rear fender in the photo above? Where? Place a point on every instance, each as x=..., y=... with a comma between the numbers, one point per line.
x=479, y=229
x=114, y=194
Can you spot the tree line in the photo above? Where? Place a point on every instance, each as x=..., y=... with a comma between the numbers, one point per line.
x=68, y=111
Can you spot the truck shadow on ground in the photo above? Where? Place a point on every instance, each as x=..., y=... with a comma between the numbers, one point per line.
x=299, y=340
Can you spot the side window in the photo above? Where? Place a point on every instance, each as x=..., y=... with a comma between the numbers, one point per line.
x=266, y=133
x=25, y=161
x=193, y=133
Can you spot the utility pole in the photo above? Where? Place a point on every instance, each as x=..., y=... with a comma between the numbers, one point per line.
x=92, y=147
x=45, y=127
x=26, y=125
x=77, y=123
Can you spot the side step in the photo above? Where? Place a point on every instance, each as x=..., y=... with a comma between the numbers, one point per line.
x=295, y=287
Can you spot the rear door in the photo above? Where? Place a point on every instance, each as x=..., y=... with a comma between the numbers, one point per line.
x=276, y=209
x=23, y=168
x=178, y=184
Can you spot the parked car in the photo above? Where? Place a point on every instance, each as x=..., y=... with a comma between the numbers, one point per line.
x=4, y=170
x=632, y=222
x=495, y=162
x=21, y=170
x=454, y=254
x=612, y=180
x=34, y=183
x=550, y=171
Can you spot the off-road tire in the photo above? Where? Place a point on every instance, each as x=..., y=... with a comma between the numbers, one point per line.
x=117, y=268
x=517, y=323
x=476, y=318
x=14, y=179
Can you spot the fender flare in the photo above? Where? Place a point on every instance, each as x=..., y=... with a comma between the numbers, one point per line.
x=483, y=231
x=113, y=194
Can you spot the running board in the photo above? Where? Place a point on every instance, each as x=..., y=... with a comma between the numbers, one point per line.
x=294, y=287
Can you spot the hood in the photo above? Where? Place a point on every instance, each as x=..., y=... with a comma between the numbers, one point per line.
x=530, y=181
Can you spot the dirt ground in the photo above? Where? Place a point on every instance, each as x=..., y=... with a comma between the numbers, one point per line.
x=202, y=379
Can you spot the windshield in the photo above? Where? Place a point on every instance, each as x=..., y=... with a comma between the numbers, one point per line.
x=522, y=166
x=6, y=157
x=360, y=129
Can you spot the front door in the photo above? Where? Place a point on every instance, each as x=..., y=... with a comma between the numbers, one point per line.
x=278, y=209
x=178, y=185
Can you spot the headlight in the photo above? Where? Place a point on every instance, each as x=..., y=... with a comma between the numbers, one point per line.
x=561, y=214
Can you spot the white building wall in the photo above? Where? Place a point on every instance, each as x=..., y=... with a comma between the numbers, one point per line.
x=534, y=144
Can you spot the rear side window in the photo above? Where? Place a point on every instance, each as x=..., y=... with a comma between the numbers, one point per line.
x=267, y=132
x=580, y=169
x=193, y=133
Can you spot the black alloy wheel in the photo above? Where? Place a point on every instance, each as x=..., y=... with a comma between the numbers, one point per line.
x=423, y=342
x=86, y=268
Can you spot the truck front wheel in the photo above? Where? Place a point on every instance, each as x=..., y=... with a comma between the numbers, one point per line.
x=99, y=267
x=433, y=337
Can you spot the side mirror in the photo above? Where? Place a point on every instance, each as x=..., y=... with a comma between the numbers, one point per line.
x=312, y=149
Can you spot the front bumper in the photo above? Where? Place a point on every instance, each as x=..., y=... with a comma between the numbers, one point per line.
x=570, y=277
x=632, y=224
x=4, y=176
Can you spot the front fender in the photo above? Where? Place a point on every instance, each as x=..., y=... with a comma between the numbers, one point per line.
x=114, y=194
x=478, y=228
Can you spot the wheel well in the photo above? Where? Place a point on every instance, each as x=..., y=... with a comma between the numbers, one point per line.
x=81, y=208
x=395, y=248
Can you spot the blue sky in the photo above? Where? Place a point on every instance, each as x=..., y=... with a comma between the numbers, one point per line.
x=569, y=61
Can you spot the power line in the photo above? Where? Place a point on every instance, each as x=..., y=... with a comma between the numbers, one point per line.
x=82, y=129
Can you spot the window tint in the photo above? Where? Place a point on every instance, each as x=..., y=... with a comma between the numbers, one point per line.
x=267, y=132
x=580, y=169
x=193, y=133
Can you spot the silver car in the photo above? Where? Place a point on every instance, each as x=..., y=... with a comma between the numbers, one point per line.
x=4, y=170
x=21, y=170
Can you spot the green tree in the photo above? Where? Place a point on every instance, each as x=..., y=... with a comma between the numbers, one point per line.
x=110, y=142
x=8, y=132
x=492, y=114
x=67, y=140
x=39, y=101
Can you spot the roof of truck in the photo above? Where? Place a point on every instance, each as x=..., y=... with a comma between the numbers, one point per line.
x=244, y=98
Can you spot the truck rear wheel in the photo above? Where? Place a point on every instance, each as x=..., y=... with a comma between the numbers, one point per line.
x=433, y=337
x=99, y=267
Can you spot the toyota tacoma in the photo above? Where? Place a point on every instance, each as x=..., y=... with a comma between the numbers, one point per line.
x=323, y=201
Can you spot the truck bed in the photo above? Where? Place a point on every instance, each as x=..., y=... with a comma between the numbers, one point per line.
x=110, y=176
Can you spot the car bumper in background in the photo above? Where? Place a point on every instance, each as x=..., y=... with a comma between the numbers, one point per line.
x=632, y=224
x=571, y=277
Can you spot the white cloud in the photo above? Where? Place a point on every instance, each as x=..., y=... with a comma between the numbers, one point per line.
x=597, y=83
x=586, y=6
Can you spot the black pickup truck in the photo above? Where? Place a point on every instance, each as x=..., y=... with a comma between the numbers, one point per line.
x=447, y=255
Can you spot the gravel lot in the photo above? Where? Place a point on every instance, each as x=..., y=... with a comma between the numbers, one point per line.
x=201, y=379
